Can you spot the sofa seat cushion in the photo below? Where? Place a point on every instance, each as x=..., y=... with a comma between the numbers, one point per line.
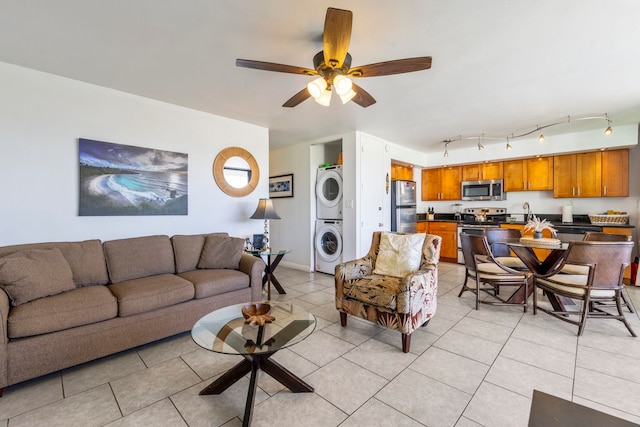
x=217, y=281
x=379, y=291
x=150, y=293
x=77, y=307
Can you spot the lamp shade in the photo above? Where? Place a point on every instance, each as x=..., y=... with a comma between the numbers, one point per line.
x=265, y=210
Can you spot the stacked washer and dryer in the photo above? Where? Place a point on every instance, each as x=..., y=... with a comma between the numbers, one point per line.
x=328, y=241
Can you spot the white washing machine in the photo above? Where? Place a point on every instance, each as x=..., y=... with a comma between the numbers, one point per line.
x=328, y=245
x=329, y=193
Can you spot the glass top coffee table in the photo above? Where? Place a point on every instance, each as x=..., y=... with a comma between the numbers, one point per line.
x=225, y=331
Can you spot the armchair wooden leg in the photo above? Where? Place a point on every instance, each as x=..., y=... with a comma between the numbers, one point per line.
x=406, y=342
x=343, y=319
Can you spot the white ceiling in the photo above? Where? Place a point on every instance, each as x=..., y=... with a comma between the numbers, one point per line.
x=499, y=66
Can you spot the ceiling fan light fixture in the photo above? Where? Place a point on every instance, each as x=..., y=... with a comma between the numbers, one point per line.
x=347, y=97
x=324, y=98
x=342, y=84
x=317, y=87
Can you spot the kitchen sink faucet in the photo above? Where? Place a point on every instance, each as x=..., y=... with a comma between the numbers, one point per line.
x=525, y=205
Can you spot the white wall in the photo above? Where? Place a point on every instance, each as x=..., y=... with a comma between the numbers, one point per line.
x=41, y=118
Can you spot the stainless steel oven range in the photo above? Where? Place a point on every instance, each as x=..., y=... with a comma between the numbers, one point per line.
x=476, y=221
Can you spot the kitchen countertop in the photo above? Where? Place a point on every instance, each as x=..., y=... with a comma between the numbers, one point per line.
x=556, y=220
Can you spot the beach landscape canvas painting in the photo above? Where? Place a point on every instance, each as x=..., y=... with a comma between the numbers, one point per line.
x=118, y=179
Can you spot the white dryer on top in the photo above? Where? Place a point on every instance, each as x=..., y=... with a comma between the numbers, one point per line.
x=329, y=193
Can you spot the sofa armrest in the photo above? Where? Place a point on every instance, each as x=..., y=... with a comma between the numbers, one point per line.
x=253, y=267
x=418, y=289
x=4, y=315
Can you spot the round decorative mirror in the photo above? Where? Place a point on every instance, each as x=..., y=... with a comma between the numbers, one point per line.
x=236, y=171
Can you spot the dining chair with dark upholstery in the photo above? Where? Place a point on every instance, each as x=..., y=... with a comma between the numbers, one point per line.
x=483, y=269
x=604, y=263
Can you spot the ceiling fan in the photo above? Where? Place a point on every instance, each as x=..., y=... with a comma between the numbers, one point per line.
x=333, y=66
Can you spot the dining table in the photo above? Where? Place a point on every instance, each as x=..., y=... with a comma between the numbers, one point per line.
x=524, y=249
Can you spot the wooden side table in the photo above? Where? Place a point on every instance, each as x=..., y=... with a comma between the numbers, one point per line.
x=270, y=267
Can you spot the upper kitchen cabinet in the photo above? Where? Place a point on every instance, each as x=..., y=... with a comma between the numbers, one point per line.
x=482, y=171
x=577, y=175
x=401, y=172
x=441, y=183
x=615, y=173
x=528, y=174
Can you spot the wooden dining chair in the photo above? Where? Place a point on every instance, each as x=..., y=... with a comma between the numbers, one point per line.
x=488, y=274
x=604, y=263
x=597, y=236
x=501, y=252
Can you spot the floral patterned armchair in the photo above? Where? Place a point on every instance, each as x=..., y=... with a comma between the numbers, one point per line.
x=401, y=303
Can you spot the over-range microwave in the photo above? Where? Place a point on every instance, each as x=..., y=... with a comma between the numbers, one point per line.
x=483, y=190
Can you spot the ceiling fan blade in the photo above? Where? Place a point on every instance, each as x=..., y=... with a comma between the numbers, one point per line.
x=387, y=68
x=336, y=37
x=272, y=66
x=362, y=98
x=297, y=98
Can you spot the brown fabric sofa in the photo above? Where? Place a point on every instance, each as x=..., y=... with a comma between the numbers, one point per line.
x=117, y=295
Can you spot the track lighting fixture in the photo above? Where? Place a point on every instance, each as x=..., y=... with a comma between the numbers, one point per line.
x=608, y=131
x=538, y=128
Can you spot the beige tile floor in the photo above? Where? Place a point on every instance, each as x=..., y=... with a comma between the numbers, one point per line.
x=466, y=368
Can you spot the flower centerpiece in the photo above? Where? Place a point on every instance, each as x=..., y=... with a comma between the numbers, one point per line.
x=536, y=225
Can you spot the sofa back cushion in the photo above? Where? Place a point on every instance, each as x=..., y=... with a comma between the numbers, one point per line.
x=221, y=252
x=86, y=259
x=187, y=250
x=35, y=273
x=139, y=257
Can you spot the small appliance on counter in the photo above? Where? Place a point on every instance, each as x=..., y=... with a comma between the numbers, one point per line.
x=403, y=206
x=567, y=214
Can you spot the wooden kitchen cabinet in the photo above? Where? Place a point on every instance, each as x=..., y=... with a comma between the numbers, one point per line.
x=615, y=173
x=441, y=183
x=482, y=171
x=577, y=175
x=448, y=231
x=422, y=227
x=535, y=174
x=401, y=172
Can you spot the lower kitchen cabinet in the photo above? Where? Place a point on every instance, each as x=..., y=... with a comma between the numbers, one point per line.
x=422, y=227
x=448, y=232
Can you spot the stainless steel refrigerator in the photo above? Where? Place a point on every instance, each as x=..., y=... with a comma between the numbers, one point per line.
x=403, y=206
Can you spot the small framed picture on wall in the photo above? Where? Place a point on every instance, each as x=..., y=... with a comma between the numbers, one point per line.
x=281, y=186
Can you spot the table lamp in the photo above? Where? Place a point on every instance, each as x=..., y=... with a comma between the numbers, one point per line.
x=265, y=211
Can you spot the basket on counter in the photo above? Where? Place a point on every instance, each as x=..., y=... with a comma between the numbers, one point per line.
x=608, y=219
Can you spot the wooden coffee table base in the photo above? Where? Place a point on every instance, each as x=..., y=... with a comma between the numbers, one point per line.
x=253, y=364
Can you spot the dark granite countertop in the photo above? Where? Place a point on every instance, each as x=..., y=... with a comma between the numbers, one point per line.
x=554, y=219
